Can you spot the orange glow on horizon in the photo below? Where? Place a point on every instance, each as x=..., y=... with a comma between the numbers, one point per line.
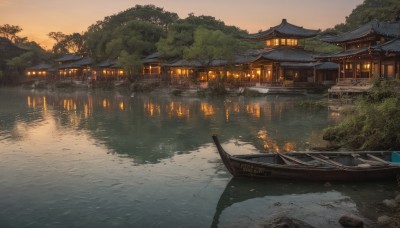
x=37, y=19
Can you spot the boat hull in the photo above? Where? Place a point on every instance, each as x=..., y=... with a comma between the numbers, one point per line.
x=246, y=166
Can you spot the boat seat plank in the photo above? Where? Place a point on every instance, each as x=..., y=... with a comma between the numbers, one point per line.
x=294, y=160
x=328, y=161
x=378, y=159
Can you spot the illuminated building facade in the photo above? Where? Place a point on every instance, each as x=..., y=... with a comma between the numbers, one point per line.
x=370, y=51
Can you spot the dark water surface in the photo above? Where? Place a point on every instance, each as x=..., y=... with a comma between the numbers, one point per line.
x=109, y=159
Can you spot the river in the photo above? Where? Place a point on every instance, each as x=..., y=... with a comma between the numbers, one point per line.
x=113, y=159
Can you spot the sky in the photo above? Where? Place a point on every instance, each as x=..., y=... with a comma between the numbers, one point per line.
x=37, y=18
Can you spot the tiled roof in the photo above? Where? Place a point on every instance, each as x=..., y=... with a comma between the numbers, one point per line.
x=374, y=27
x=81, y=63
x=289, y=54
x=344, y=54
x=327, y=66
x=317, y=65
x=392, y=46
x=68, y=57
x=40, y=66
x=155, y=57
x=110, y=63
x=284, y=29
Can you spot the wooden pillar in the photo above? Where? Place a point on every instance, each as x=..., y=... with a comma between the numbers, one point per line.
x=315, y=74
x=380, y=67
x=354, y=68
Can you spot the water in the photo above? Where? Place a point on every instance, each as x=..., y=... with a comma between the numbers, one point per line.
x=109, y=159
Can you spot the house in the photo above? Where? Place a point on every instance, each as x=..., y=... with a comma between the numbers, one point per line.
x=40, y=71
x=284, y=61
x=370, y=51
x=71, y=66
x=152, y=69
x=108, y=70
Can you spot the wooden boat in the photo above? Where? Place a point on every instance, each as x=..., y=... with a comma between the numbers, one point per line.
x=317, y=166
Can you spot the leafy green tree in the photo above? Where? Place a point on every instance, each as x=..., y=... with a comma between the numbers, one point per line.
x=181, y=34
x=135, y=31
x=374, y=125
x=131, y=63
x=210, y=46
x=64, y=44
x=10, y=31
x=315, y=44
x=382, y=10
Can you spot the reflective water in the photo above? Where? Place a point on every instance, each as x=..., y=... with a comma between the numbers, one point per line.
x=109, y=159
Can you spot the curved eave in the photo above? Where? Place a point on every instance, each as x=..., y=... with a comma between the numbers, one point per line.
x=280, y=35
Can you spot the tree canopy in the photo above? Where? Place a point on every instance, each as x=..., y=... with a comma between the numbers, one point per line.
x=212, y=45
x=135, y=31
x=374, y=125
x=382, y=10
x=182, y=34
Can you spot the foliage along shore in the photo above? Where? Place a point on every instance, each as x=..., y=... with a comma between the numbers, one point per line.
x=375, y=122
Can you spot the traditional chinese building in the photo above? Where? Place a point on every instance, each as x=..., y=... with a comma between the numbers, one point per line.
x=284, y=60
x=40, y=71
x=370, y=51
x=74, y=67
x=152, y=67
x=108, y=70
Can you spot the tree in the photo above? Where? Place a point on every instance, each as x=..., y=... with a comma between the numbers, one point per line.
x=212, y=45
x=131, y=63
x=181, y=34
x=72, y=43
x=374, y=125
x=135, y=30
x=382, y=10
x=10, y=31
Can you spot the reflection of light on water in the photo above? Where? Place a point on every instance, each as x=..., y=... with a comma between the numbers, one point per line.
x=271, y=145
x=227, y=115
x=254, y=110
x=236, y=108
x=289, y=146
x=178, y=110
x=69, y=104
x=268, y=143
x=44, y=104
x=29, y=102
x=39, y=101
x=207, y=109
x=106, y=103
x=121, y=106
x=152, y=109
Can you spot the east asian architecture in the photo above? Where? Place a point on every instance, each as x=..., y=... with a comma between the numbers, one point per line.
x=285, y=61
x=370, y=51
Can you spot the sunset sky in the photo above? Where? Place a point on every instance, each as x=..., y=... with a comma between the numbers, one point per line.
x=39, y=17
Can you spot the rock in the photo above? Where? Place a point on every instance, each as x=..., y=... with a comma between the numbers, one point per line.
x=390, y=203
x=382, y=220
x=351, y=220
x=327, y=184
x=286, y=222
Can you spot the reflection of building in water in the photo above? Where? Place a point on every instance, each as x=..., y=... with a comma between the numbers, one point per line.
x=268, y=143
x=271, y=145
x=207, y=109
x=254, y=110
x=152, y=109
x=179, y=110
x=37, y=102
